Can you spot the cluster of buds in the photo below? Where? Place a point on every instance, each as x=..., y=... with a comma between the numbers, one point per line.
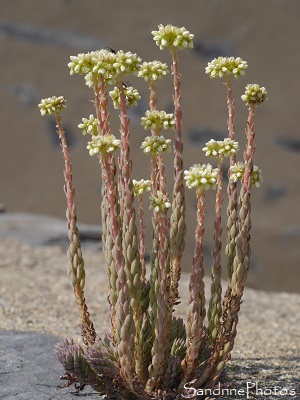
x=171, y=36
x=152, y=71
x=89, y=126
x=105, y=64
x=201, y=177
x=159, y=202
x=158, y=119
x=156, y=145
x=132, y=96
x=254, y=94
x=221, y=148
x=237, y=173
x=52, y=105
x=141, y=186
x=103, y=145
x=225, y=66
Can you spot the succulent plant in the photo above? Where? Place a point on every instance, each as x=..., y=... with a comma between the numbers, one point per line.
x=150, y=353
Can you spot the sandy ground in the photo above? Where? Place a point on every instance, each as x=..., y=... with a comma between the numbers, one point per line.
x=36, y=295
x=36, y=40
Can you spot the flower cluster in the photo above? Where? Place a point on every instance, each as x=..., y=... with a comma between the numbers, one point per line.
x=201, y=177
x=254, y=94
x=156, y=145
x=83, y=63
x=139, y=187
x=52, y=105
x=237, y=172
x=103, y=145
x=225, y=66
x=104, y=63
x=172, y=36
x=151, y=71
x=158, y=119
x=223, y=148
x=131, y=96
x=159, y=202
x=94, y=64
x=126, y=63
x=89, y=126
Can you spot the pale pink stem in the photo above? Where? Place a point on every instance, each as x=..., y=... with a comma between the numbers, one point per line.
x=196, y=312
x=178, y=227
x=230, y=104
x=218, y=227
x=68, y=167
x=198, y=251
x=250, y=148
x=178, y=162
x=101, y=103
x=153, y=99
x=215, y=307
x=108, y=170
x=230, y=125
x=115, y=227
x=125, y=162
x=142, y=248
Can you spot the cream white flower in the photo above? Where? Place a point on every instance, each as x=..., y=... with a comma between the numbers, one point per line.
x=156, y=145
x=126, y=63
x=237, y=173
x=139, y=187
x=172, y=36
x=158, y=119
x=103, y=144
x=255, y=94
x=151, y=71
x=225, y=66
x=159, y=202
x=201, y=177
x=221, y=148
x=52, y=105
x=131, y=96
x=89, y=125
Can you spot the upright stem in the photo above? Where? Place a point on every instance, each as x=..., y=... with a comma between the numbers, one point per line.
x=142, y=248
x=241, y=262
x=178, y=227
x=130, y=246
x=232, y=208
x=215, y=306
x=196, y=310
x=112, y=248
x=76, y=269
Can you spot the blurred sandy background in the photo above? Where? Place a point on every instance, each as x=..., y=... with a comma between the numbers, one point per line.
x=37, y=38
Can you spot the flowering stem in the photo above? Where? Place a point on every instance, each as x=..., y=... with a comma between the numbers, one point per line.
x=231, y=189
x=76, y=269
x=153, y=99
x=130, y=246
x=196, y=311
x=112, y=249
x=215, y=306
x=142, y=248
x=230, y=122
x=242, y=258
x=178, y=227
x=161, y=333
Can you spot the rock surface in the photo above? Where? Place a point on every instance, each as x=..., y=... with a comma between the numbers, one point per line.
x=29, y=369
x=40, y=230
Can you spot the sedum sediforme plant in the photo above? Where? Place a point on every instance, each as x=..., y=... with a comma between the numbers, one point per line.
x=150, y=353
